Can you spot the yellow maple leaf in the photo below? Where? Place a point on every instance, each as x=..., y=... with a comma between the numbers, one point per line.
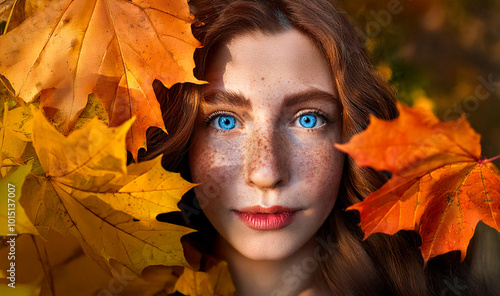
x=21, y=290
x=6, y=10
x=19, y=121
x=93, y=109
x=89, y=192
x=114, y=49
x=58, y=266
x=11, y=146
x=15, y=135
x=16, y=124
x=216, y=281
x=13, y=219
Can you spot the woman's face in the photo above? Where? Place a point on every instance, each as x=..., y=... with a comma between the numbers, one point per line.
x=263, y=146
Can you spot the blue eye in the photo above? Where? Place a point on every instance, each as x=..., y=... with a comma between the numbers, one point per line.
x=222, y=121
x=308, y=120
x=225, y=122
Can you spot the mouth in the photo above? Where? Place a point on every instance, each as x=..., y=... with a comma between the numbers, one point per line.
x=272, y=218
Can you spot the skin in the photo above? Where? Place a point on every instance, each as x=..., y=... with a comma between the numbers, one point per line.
x=268, y=157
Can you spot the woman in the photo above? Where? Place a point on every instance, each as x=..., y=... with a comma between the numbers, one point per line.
x=287, y=79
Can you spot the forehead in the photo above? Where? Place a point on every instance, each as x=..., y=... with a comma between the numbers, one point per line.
x=252, y=61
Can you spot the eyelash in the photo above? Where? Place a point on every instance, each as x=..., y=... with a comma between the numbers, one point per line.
x=313, y=112
x=212, y=116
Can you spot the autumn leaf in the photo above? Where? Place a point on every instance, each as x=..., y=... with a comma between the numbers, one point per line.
x=10, y=209
x=19, y=121
x=93, y=109
x=16, y=11
x=6, y=10
x=89, y=192
x=15, y=131
x=216, y=281
x=114, y=49
x=440, y=185
x=58, y=266
x=11, y=146
x=207, y=275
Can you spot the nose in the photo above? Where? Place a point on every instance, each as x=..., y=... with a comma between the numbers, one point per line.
x=266, y=159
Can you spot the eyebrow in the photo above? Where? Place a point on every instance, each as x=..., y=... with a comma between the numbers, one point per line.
x=308, y=95
x=232, y=98
x=225, y=97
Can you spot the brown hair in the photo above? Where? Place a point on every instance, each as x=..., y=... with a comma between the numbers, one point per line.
x=380, y=265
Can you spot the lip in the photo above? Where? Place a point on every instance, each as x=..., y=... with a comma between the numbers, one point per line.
x=272, y=218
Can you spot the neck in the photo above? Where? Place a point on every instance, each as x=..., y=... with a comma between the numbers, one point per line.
x=294, y=275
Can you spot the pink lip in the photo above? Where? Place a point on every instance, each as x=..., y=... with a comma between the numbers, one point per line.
x=273, y=218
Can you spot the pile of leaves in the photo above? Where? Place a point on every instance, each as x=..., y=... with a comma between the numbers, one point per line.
x=76, y=94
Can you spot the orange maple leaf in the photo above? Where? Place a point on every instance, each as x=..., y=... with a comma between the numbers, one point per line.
x=440, y=185
x=114, y=49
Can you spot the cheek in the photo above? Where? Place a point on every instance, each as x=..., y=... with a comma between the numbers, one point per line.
x=210, y=169
x=320, y=167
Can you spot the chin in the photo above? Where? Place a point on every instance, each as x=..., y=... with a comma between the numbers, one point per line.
x=271, y=254
x=271, y=246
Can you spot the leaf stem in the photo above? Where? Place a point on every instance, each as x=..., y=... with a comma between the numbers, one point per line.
x=10, y=17
x=483, y=161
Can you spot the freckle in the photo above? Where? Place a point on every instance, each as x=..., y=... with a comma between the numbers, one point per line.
x=262, y=78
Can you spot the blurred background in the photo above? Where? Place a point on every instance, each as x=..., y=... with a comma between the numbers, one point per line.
x=442, y=50
x=445, y=53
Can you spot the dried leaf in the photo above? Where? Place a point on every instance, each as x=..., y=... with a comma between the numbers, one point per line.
x=20, y=290
x=93, y=109
x=6, y=11
x=115, y=49
x=15, y=135
x=440, y=185
x=89, y=192
x=11, y=146
x=216, y=281
x=19, y=10
x=13, y=219
x=58, y=264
